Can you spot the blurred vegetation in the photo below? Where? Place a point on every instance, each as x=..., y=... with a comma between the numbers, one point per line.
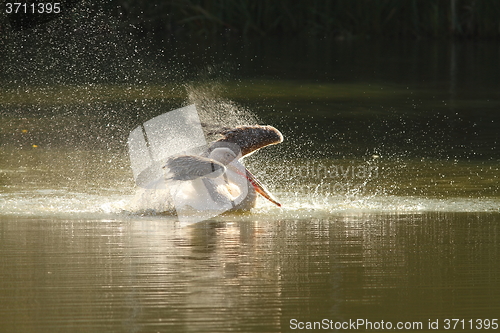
x=341, y=19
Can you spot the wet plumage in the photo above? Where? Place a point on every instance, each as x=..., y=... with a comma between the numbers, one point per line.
x=190, y=167
x=223, y=159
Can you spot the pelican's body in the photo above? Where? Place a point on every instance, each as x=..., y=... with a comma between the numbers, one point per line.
x=217, y=180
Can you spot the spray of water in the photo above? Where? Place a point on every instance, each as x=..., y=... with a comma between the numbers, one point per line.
x=215, y=111
x=73, y=89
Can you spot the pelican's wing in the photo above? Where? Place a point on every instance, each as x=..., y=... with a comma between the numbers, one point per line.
x=190, y=167
x=249, y=137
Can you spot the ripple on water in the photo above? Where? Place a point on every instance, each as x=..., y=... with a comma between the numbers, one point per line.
x=61, y=202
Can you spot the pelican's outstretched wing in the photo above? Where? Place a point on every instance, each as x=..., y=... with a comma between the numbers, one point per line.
x=190, y=167
x=249, y=137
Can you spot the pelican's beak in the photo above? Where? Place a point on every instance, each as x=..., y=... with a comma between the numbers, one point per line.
x=260, y=188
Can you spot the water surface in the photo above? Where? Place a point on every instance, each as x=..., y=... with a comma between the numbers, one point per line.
x=248, y=274
x=388, y=176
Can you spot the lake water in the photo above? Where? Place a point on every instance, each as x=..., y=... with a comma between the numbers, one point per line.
x=389, y=179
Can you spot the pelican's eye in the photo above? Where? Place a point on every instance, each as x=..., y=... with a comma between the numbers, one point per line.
x=230, y=157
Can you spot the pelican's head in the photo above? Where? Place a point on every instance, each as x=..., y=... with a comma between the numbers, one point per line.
x=223, y=155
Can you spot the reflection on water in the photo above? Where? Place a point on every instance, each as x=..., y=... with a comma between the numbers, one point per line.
x=142, y=274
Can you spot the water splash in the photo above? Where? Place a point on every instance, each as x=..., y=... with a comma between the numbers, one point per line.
x=41, y=185
x=216, y=112
x=74, y=90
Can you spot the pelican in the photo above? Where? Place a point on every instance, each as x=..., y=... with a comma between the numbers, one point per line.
x=217, y=176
